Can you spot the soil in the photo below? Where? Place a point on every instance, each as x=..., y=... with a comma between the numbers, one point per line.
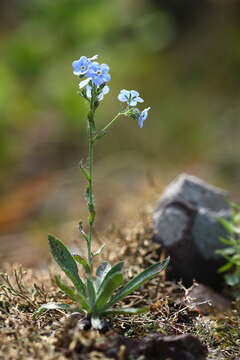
x=173, y=321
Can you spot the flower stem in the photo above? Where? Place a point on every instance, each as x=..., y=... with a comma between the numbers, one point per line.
x=90, y=199
x=103, y=131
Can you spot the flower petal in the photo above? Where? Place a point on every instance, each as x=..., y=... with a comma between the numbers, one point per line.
x=83, y=83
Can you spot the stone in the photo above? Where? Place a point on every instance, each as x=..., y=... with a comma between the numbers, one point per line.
x=154, y=347
x=206, y=300
x=186, y=224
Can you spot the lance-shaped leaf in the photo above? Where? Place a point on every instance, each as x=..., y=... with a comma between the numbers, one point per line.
x=99, y=250
x=225, y=267
x=110, y=285
x=123, y=311
x=101, y=272
x=65, y=288
x=90, y=291
x=51, y=306
x=146, y=275
x=66, y=262
x=230, y=241
x=118, y=268
x=83, y=262
x=229, y=226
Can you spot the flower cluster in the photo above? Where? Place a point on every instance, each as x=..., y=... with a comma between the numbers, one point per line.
x=96, y=76
x=94, y=86
x=131, y=97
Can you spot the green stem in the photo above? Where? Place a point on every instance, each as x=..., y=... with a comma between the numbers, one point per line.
x=91, y=209
x=103, y=131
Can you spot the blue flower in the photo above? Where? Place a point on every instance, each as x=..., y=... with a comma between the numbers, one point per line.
x=104, y=91
x=130, y=96
x=81, y=66
x=143, y=116
x=98, y=73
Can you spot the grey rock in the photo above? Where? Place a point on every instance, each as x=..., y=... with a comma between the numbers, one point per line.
x=206, y=300
x=191, y=190
x=186, y=224
x=207, y=230
x=171, y=223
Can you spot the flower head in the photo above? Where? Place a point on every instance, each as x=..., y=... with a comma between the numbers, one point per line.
x=130, y=96
x=98, y=73
x=143, y=116
x=81, y=66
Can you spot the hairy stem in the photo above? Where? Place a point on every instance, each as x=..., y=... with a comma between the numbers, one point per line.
x=107, y=126
x=91, y=130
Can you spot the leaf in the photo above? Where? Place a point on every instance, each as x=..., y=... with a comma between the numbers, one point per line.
x=65, y=288
x=237, y=295
x=232, y=279
x=236, y=259
x=127, y=310
x=229, y=226
x=225, y=267
x=110, y=285
x=226, y=251
x=87, y=195
x=118, y=268
x=237, y=219
x=98, y=250
x=229, y=241
x=51, y=306
x=144, y=276
x=66, y=263
x=83, y=262
x=84, y=171
x=90, y=291
x=101, y=272
x=100, y=135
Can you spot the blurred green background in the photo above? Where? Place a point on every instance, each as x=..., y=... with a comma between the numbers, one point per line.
x=183, y=56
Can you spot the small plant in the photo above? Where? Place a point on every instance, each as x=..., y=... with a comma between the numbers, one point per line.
x=232, y=252
x=97, y=297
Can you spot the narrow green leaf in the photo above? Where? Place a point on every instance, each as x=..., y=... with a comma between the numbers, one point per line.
x=236, y=259
x=65, y=288
x=66, y=262
x=117, y=268
x=123, y=311
x=225, y=267
x=87, y=195
x=50, y=306
x=80, y=226
x=83, y=262
x=146, y=275
x=229, y=241
x=98, y=250
x=235, y=206
x=99, y=135
x=226, y=251
x=85, y=173
x=229, y=226
x=110, y=285
x=101, y=272
x=90, y=291
x=237, y=219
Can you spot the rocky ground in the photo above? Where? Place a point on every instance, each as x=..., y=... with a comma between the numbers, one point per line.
x=180, y=322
